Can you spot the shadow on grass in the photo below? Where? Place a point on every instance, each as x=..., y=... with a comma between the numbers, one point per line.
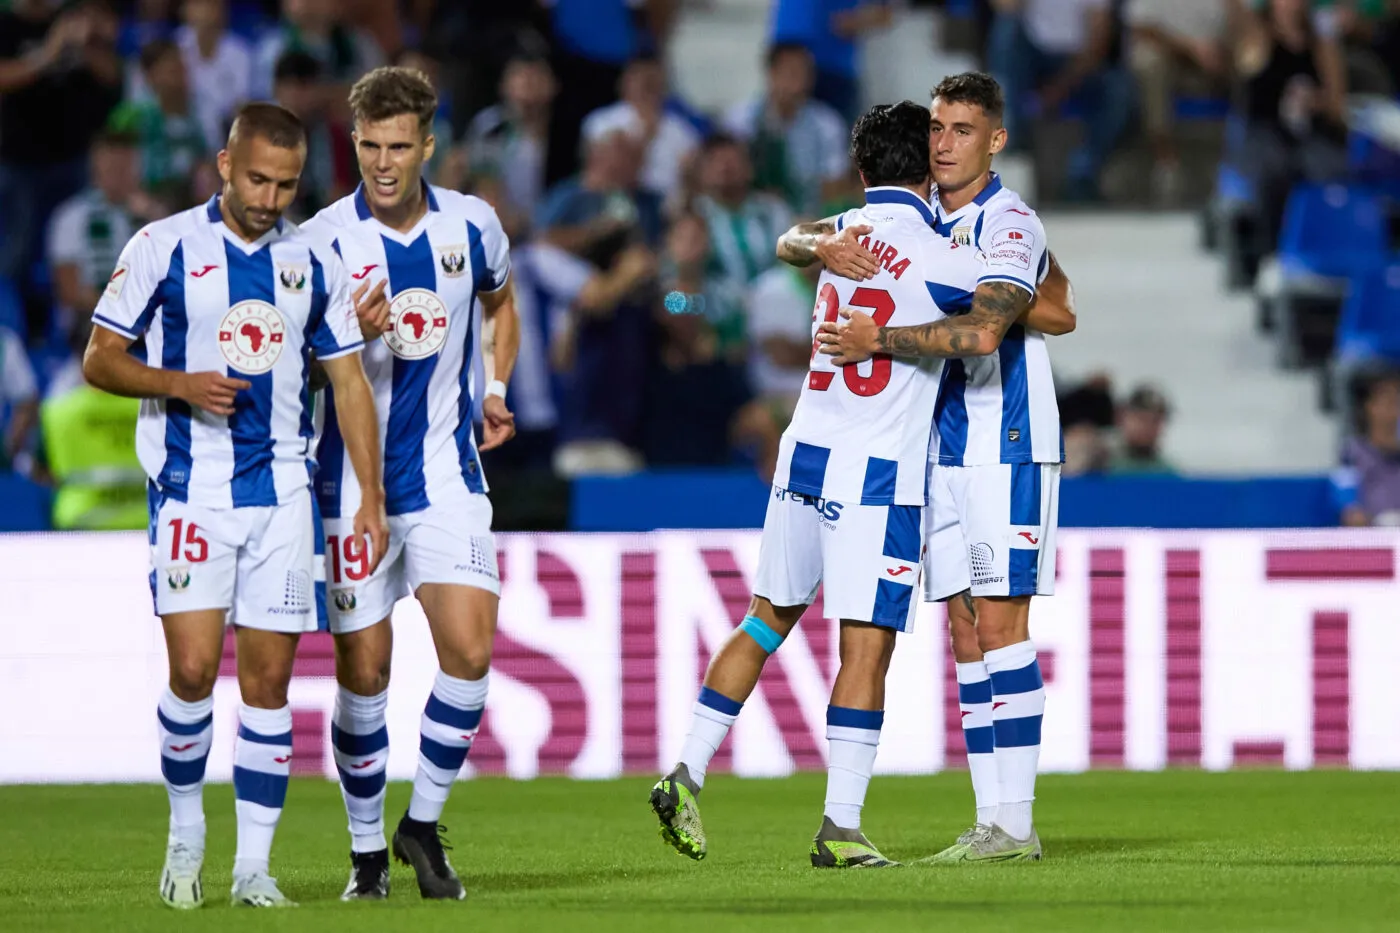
x=826, y=907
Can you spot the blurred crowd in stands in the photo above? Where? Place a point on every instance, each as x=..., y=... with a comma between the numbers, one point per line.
x=658, y=328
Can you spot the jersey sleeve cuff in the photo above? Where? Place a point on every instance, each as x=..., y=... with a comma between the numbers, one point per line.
x=115, y=327
x=505, y=277
x=343, y=351
x=1010, y=279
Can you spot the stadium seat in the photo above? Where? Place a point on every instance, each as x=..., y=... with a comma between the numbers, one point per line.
x=1368, y=333
x=1330, y=232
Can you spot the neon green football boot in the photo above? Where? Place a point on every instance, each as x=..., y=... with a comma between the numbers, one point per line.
x=675, y=801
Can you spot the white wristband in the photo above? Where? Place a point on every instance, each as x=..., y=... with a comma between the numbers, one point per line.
x=497, y=388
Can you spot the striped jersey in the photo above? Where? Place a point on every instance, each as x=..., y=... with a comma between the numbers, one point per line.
x=861, y=433
x=195, y=297
x=999, y=408
x=421, y=369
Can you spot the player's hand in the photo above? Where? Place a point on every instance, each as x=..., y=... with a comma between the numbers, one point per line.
x=497, y=422
x=372, y=309
x=843, y=255
x=372, y=527
x=213, y=392
x=854, y=340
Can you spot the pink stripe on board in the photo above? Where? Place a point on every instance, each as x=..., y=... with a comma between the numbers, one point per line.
x=1331, y=684
x=1106, y=694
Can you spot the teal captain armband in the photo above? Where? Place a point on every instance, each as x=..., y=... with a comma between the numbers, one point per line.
x=759, y=631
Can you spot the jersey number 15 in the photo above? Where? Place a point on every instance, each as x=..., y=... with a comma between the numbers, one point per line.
x=881, y=307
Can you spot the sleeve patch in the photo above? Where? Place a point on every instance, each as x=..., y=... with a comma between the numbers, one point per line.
x=117, y=282
x=1013, y=246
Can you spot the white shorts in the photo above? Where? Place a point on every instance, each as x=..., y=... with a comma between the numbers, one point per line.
x=255, y=561
x=991, y=529
x=448, y=542
x=867, y=555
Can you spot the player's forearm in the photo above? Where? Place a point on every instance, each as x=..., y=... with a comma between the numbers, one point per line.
x=507, y=339
x=1052, y=312
x=117, y=372
x=798, y=246
x=995, y=307
x=359, y=425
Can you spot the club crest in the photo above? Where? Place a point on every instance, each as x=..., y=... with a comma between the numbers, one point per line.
x=452, y=260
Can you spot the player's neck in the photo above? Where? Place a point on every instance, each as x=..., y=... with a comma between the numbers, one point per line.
x=954, y=201
x=232, y=222
x=405, y=216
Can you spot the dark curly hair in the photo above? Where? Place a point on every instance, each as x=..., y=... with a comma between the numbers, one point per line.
x=889, y=144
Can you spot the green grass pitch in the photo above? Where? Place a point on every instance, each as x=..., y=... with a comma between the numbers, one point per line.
x=1253, y=850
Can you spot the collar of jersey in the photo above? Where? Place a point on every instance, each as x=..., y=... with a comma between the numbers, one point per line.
x=888, y=194
x=944, y=224
x=213, y=215
x=363, y=212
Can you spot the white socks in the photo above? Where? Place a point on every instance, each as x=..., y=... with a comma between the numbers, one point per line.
x=450, y=721
x=261, y=765
x=1018, y=706
x=854, y=735
x=186, y=732
x=361, y=745
x=714, y=713
x=975, y=703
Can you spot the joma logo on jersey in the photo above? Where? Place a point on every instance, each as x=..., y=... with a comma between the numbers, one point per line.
x=291, y=277
x=417, y=324
x=452, y=260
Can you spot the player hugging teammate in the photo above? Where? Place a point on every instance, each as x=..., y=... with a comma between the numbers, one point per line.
x=989, y=448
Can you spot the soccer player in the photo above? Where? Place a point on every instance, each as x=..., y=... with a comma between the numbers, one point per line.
x=994, y=460
x=429, y=255
x=211, y=318
x=848, y=496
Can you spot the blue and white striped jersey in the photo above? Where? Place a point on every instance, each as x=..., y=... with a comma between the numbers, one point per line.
x=861, y=433
x=421, y=370
x=197, y=298
x=999, y=408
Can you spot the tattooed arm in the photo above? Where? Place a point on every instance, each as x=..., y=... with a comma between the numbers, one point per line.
x=841, y=253
x=995, y=307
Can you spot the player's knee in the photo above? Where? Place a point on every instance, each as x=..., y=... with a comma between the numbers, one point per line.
x=192, y=677
x=472, y=663
x=365, y=676
x=993, y=633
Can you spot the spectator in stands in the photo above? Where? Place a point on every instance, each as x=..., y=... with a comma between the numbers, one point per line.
x=668, y=140
x=1087, y=419
x=219, y=64
x=743, y=224
x=599, y=212
x=1368, y=482
x=1176, y=46
x=780, y=328
x=1062, y=49
x=693, y=285
x=1141, y=420
x=699, y=406
x=317, y=28
x=172, y=138
x=593, y=41
x=330, y=172
x=507, y=142
x=830, y=30
x=557, y=294
x=19, y=400
x=88, y=231
x=1294, y=100
x=59, y=78
x=798, y=144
